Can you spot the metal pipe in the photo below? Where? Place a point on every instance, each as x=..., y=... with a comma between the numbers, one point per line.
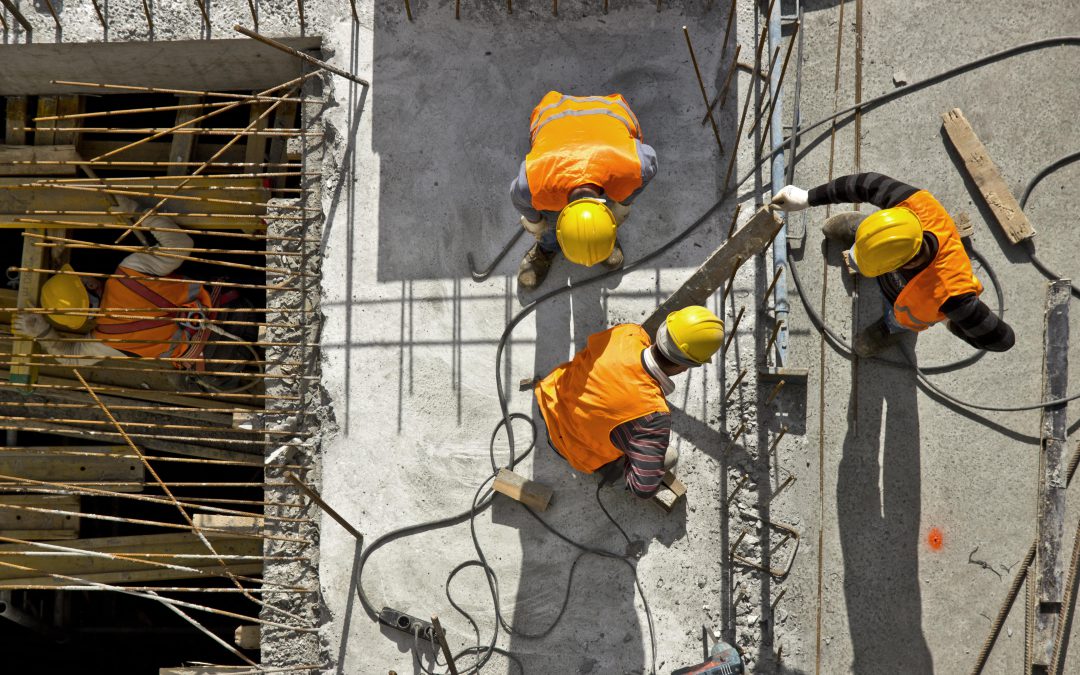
x=780, y=298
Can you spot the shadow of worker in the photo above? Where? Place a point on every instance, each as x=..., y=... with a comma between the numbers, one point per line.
x=597, y=631
x=878, y=507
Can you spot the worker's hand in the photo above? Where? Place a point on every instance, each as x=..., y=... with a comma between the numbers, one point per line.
x=30, y=325
x=620, y=211
x=535, y=229
x=791, y=198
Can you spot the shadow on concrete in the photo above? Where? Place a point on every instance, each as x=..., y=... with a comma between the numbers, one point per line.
x=878, y=507
x=346, y=621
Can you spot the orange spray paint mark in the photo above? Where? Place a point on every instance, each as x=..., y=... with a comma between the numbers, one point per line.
x=935, y=539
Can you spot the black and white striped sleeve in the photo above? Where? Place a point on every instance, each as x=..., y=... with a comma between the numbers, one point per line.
x=973, y=322
x=873, y=188
x=644, y=441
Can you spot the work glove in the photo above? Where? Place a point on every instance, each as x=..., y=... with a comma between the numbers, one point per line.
x=535, y=229
x=620, y=211
x=30, y=325
x=126, y=205
x=791, y=198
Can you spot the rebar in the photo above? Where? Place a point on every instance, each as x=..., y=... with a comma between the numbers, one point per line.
x=772, y=338
x=735, y=437
x=204, y=11
x=203, y=629
x=408, y=10
x=317, y=498
x=701, y=84
x=722, y=95
x=776, y=441
x=736, y=383
x=52, y=10
x=779, y=83
x=100, y=15
x=738, y=486
x=18, y=15
x=135, y=393
x=218, y=284
x=149, y=17
x=157, y=425
x=1066, y=611
x=772, y=285
x=215, y=233
x=184, y=92
x=734, y=327
x=761, y=113
x=775, y=391
x=731, y=279
x=91, y=433
x=142, y=193
x=307, y=57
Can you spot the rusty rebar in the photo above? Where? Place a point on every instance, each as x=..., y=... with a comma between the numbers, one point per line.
x=722, y=94
x=317, y=498
x=775, y=332
x=772, y=285
x=701, y=84
x=55, y=16
x=304, y=56
x=736, y=383
x=776, y=441
x=775, y=391
x=734, y=327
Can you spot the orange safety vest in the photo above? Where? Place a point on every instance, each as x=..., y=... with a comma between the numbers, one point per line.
x=604, y=385
x=137, y=315
x=949, y=274
x=580, y=140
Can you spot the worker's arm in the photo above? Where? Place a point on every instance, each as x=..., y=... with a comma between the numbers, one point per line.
x=644, y=441
x=157, y=265
x=647, y=157
x=65, y=351
x=973, y=322
x=521, y=196
x=872, y=188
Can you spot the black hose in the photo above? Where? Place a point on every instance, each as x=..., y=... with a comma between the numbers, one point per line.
x=1029, y=244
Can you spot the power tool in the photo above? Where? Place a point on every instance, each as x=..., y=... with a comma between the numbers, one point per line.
x=722, y=659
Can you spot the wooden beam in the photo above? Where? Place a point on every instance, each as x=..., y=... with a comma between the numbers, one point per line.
x=45, y=132
x=9, y=154
x=182, y=144
x=255, y=147
x=283, y=119
x=248, y=637
x=987, y=177
x=670, y=493
x=51, y=463
x=113, y=571
x=35, y=525
x=33, y=257
x=241, y=524
x=71, y=104
x=530, y=493
x=15, y=120
x=1049, y=576
x=750, y=239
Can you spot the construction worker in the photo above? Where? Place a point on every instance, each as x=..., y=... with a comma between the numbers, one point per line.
x=585, y=166
x=911, y=246
x=608, y=402
x=135, y=311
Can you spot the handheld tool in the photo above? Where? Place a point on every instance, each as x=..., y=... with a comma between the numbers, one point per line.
x=722, y=659
x=479, y=276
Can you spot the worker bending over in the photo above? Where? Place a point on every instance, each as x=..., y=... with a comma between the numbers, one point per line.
x=139, y=307
x=585, y=166
x=913, y=249
x=608, y=402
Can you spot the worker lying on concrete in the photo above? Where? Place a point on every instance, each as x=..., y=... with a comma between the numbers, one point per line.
x=913, y=249
x=586, y=164
x=608, y=403
x=137, y=314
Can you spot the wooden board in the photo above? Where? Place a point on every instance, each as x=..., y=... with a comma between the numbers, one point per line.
x=112, y=571
x=530, y=493
x=248, y=637
x=19, y=523
x=182, y=144
x=1049, y=572
x=15, y=120
x=17, y=160
x=987, y=177
x=255, y=146
x=217, y=521
x=67, y=105
x=44, y=132
x=749, y=240
x=283, y=119
x=53, y=463
x=18, y=202
x=21, y=372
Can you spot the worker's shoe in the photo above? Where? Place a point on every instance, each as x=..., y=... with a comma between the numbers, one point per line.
x=841, y=227
x=875, y=339
x=534, y=266
x=616, y=259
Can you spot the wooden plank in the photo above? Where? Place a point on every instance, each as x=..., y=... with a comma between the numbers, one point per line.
x=108, y=570
x=52, y=463
x=749, y=240
x=67, y=105
x=15, y=120
x=987, y=177
x=33, y=257
x=182, y=144
x=44, y=132
x=283, y=119
x=248, y=637
x=530, y=493
x=255, y=148
x=9, y=154
x=216, y=521
x=1049, y=571
x=674, y=484
x=158, y=151
x=19, y=523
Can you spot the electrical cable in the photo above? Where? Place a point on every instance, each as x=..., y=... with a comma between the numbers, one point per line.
x=479, y=504
x=1029, y=244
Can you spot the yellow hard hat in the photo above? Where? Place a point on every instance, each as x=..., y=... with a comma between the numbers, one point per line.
x=586, y=231
x=887, y=239
x=64, y=291
x=696, y=332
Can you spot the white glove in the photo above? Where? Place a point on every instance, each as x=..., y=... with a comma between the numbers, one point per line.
x=620, y=211
x=535, y=229
x=126, y=205
x=30, y=325
x=791, y=198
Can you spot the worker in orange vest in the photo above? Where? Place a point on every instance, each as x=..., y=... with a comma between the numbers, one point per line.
x=608, y=402
x=586, y=164
x=144, y=309
x=911, y=246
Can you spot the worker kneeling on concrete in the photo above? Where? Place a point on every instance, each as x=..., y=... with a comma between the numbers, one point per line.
x=585, y=166
x=608, y=403
x=143, y=310
x=912, y=247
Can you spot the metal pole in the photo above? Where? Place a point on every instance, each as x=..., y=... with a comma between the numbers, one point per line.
x=776, y=131
x=315, y=497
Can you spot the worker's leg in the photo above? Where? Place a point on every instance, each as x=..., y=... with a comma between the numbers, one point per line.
x=880, y=335
x=671, y=457
x=537, y=260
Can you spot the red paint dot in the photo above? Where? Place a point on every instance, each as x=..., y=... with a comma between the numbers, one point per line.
x=935, y=539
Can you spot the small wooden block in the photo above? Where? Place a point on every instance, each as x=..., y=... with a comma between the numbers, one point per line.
x=666, y=499
x=530, y=493
x=674, y=484
x=527, y=383
x=223, y=523
x=247, y=637
x=964, y=226
x=847, y=264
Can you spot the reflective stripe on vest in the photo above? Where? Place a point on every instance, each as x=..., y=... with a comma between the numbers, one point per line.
x=949, y=274
x=604, y=385
x=581, y=140
x=142, y=311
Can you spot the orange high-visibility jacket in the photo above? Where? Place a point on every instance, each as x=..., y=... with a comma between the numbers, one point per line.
x=133, y=311
x=579, y=140
x=604, y=385
x=949, y=274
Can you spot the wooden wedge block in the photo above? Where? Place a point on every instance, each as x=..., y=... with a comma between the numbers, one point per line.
x=248, y=637
x=669, y=494
x=530, y=493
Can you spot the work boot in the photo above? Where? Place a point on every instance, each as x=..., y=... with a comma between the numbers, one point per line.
x=841, y=227
x=616, y=259
x=875, y=339
x=534, y=266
